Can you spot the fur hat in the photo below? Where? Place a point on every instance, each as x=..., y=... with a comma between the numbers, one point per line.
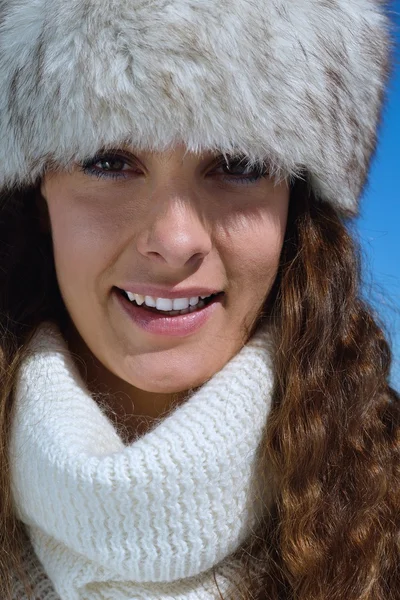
x=296, y=83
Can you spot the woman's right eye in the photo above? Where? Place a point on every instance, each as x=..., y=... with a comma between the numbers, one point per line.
x=111, y=166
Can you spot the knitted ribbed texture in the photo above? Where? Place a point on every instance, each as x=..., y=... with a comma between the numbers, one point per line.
x=147, y=520
x=200, y=587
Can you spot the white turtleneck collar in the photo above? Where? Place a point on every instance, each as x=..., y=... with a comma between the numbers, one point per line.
x=148, y=520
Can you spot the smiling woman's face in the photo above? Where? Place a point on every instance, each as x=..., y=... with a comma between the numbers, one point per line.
x=179, y=223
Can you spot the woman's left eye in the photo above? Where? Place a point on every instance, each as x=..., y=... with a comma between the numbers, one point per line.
x=237, y=170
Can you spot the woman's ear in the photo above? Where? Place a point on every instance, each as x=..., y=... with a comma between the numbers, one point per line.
x=43, y=212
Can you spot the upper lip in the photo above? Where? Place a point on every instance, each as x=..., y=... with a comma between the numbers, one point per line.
x=160, y=292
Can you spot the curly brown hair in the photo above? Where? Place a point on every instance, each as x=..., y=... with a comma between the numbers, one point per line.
x=331, y=442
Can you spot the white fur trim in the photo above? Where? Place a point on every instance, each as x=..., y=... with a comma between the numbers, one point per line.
x=298, y=82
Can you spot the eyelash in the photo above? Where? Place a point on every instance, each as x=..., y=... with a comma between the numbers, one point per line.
x=88, y=168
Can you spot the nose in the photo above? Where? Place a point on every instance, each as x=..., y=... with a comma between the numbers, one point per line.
x=175, y=232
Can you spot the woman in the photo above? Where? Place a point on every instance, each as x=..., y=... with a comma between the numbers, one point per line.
x=194, y=396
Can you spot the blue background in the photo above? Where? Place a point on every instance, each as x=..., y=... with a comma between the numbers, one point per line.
x=379, y=222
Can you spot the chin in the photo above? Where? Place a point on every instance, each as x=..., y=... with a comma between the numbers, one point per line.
x=157, y=373
x=165, y=380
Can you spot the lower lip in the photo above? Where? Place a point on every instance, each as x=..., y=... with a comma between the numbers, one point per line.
x=177, y=326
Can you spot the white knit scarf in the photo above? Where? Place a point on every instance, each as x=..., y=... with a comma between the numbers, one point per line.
x=147, y=520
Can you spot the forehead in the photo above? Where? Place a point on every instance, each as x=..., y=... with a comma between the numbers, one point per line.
x=178, y=152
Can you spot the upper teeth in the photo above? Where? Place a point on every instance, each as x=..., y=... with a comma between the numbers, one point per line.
x=165, y=303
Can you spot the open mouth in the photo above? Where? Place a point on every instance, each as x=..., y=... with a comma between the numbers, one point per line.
x=202, y=303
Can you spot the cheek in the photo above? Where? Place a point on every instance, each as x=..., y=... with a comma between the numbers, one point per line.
x=84, y=242
x=252, y=251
